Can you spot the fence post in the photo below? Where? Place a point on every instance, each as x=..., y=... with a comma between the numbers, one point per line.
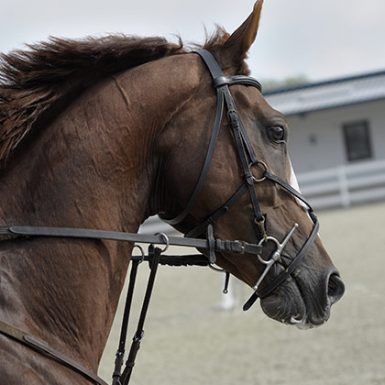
x=344, y=186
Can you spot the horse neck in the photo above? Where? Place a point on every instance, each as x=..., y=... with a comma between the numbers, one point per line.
x=95, y=167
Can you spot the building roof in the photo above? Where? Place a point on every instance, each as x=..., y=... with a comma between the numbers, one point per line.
x=328, y=94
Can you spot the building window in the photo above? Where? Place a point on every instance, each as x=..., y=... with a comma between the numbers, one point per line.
x=357, y=140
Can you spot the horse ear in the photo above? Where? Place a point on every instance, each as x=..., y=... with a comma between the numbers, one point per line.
x=237, y=45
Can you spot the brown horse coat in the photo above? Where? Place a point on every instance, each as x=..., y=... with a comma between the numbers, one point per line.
x=102, y=133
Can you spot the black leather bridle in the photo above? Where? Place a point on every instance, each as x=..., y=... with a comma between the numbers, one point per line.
x=247, y=159
x=211, y=245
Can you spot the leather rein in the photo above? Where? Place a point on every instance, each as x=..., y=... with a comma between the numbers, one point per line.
x=210, y=244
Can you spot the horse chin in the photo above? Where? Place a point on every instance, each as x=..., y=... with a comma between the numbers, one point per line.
x=288, y=306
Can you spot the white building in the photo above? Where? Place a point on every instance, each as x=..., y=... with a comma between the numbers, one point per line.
x=336, y=122
x=337, y=138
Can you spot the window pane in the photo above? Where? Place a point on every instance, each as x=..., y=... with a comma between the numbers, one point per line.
x=357, y=141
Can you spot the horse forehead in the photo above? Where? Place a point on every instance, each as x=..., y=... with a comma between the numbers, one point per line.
x=250, y=97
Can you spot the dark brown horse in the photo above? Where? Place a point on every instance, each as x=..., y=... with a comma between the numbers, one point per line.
x=103, y=133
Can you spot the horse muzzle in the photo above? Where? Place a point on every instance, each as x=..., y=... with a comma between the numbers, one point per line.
x=300, y=303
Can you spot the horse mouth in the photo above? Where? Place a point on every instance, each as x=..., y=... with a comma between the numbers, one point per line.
x=291, y=306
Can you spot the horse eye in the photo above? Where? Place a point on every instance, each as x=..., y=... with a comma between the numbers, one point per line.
x=276, y=133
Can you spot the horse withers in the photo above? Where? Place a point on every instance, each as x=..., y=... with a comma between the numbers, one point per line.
x=101, y=134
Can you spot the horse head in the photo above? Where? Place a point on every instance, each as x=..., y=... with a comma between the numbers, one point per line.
x=202, y=172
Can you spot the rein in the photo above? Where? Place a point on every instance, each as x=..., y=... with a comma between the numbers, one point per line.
x=210, y=244
x=154, y=258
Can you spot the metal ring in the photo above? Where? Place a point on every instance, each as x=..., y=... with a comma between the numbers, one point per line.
x=267, y=239
x=141, y=251
x=264, y=261
x=166, y=240
x=260, y=222
x=264, y=167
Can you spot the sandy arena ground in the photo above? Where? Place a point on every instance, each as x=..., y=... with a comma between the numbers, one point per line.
x=189, y=340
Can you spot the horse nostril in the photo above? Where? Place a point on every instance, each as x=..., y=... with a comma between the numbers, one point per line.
x=336, y=288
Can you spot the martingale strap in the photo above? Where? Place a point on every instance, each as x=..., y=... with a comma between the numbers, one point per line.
x=124, y=378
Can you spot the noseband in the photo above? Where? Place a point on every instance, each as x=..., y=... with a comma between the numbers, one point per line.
x=247, y=159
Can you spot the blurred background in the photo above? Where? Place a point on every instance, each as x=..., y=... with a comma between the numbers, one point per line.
x=323, y=65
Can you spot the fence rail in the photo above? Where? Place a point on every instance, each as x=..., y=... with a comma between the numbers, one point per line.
x=345, y=185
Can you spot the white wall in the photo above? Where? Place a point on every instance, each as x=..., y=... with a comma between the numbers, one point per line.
x=326, y=127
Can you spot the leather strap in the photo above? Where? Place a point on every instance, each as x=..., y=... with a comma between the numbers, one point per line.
x=42, y=347
x=293, y=265
x=119, y=357
x=278, y=280
x=211, y=63
x=154, y=254
x=221, y=84
x=71, y=232
x=238, y=79
x=201, y=228
x=244, y=148
x=288, y=188
x=176, y=260
x=206, y=165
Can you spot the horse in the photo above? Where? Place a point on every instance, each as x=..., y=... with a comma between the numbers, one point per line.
x=102, y=133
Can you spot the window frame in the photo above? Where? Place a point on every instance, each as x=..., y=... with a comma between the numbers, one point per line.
x=364, y=124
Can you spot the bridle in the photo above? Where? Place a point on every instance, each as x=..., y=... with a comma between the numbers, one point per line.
x=210, y=244
x=247, y=159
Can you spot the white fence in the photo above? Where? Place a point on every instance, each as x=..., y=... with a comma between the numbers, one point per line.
x=345, y=185
x=336, y=187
